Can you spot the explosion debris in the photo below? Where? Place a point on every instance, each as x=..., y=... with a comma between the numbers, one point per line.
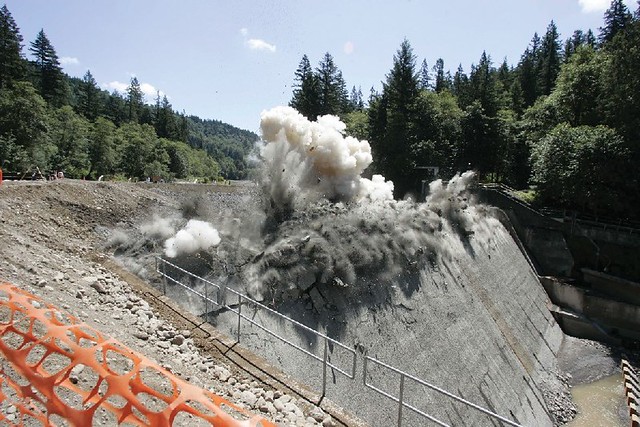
x=323, y=223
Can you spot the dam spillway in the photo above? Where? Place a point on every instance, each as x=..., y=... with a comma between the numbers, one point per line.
x=475, y=323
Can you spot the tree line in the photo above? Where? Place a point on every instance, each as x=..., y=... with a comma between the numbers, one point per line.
x=565, y=120
x=57, y=122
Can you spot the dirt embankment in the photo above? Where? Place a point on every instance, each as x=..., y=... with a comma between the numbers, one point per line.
x=53, y=235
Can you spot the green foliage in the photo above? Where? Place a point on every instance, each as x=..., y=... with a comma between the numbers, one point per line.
x=394, y=135
x=306, y=92
x=49, y=76
x=357, y=124
x=102, y=150
x=334, y=98
x=228, y=145
x=616, y=18
x=89, y=104
x=70, y=134
x=135, y=101
x=438, y=125
x=11, y=62
x=323, y=90
x=53, y=121
x=579, y=88
x=528, y=196
x=24, y=125
x=549, y=60
x=556, y=118
x=621, y=81
x=582, y=167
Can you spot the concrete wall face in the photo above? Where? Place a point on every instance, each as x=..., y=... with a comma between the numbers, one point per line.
x=543, y=236
x=475, y=322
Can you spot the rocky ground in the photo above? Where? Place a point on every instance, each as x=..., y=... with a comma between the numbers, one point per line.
x=53, y=235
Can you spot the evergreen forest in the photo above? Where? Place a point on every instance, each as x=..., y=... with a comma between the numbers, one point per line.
x=563, y=123
x=55, y=122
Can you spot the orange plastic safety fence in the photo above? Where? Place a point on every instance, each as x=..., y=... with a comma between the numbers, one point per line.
x=42, y=345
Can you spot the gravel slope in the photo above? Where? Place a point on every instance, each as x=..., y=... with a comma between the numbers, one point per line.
x=53, y=232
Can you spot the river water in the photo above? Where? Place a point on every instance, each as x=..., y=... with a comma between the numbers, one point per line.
x=601, y=403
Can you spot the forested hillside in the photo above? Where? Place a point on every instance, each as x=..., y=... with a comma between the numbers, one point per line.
x=565, y=119
x=59, y=123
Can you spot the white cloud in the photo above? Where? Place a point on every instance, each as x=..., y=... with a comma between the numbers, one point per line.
x=258, y=44
x=348, y=47
x=69, y=60
x=589, y=6
x=148, y=90
x=116, y=85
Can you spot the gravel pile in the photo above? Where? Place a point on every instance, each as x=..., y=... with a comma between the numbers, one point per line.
x=53, y=230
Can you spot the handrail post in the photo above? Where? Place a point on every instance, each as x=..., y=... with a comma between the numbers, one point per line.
x=164, y=278
x=206, y=303
x=400, y=402
x=324, y=368
x=239, y=314
x=364, y=370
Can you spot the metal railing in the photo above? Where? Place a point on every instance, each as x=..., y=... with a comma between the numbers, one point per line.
x=604, y=222
x=161, y=267
x=403, y=404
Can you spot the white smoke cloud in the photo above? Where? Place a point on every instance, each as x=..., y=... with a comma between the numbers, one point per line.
x=306, y=161
x=195, y=236
x=161, y=228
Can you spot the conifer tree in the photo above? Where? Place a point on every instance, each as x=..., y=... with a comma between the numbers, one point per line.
x=527, y=70
x=306, y=97
x=165, y=123
x=616, y=19
x=357, y=104
x=425, y=76
x=11, y=61
x=135, y=100
x=89, y=105
x=49, y=73
x=483, y=85
x=572, y=44
x=333, y=97
x=441, y=82
x=590, y=39
x=549, y=60
x=460, y=86
x=392, y=133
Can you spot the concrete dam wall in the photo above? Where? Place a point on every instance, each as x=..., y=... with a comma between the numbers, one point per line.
x=439, y=289
x=474, y=322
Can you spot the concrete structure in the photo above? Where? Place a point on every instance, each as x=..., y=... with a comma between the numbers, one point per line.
x=475, y=322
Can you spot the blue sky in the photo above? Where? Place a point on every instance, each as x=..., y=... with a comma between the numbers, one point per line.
x=230, y=59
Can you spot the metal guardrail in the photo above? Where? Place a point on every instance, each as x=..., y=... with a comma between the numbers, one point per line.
x=606, y=223
x=402, y=404
x=161, y=265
